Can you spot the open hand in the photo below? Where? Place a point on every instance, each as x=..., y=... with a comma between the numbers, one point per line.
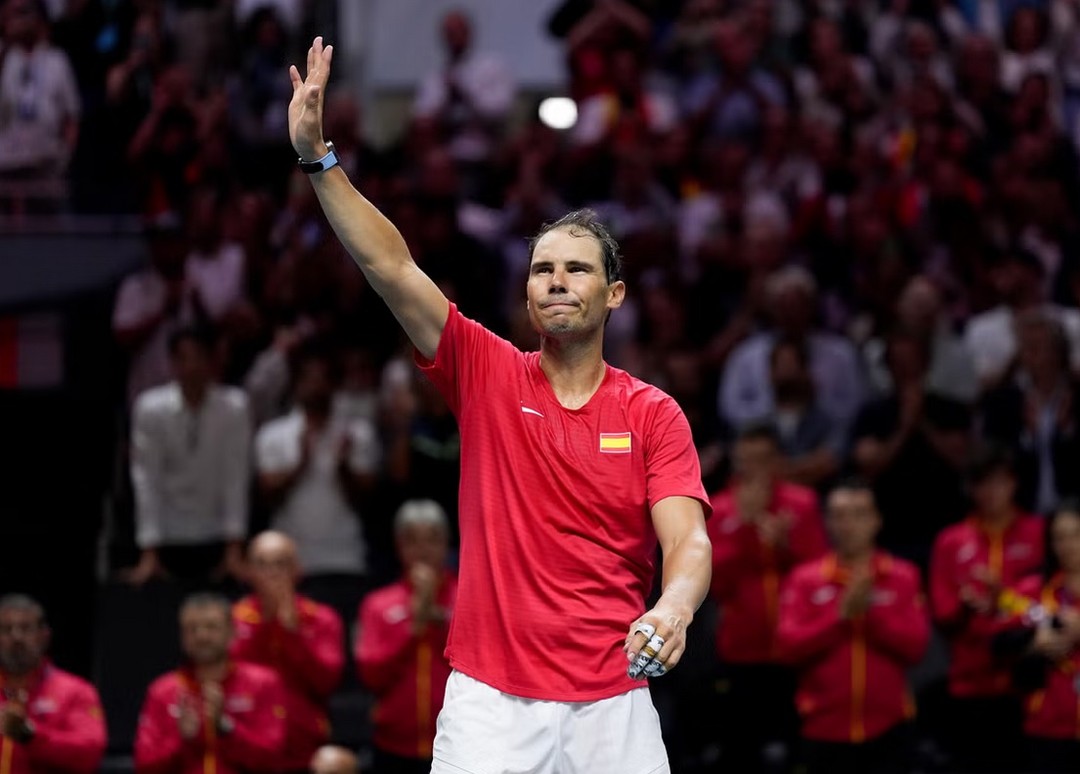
x=306, y=107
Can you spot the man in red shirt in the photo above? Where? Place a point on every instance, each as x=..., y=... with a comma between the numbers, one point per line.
x=299, y=639
x=994, y=548
x=402, y=636
x=50, y=720
x=572, y=473
x=213, y=715
x=761, y=528
x=852, y=623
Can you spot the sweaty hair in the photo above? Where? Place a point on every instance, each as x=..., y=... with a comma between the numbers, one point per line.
x=25, y=603
x=585, y=222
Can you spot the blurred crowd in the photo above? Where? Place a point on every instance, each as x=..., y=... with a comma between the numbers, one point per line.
x=850, y=249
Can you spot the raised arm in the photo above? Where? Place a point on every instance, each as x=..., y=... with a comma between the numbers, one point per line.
x=372, y=240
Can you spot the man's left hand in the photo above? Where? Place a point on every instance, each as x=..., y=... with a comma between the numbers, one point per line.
x=661, y=627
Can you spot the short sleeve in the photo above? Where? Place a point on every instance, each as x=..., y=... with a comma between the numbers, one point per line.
x=468, y=358
x=672, y=468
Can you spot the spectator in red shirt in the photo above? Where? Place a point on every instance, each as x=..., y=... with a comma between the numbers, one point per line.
x=49, y=720
x=213, y=715
x=296, y=637
x=402, y=636
x=852, y=623
x=1045, y=631
x=761, y=528
x=996, y=546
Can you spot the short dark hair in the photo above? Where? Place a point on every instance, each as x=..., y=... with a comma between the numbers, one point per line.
x=26, y=603
x=202, y=336
x=852, y=484
x=317, y=350
x=986, y=459
x=759, y=430
x=207, y=599
x=581, y=223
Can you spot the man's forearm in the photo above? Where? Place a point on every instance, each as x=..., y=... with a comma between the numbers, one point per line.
x=371, y=239
x=687, y=574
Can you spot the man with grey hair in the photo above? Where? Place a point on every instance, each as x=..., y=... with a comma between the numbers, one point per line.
x=790, y=302
x=332, y=759
x=401, y=638
x=49, y=719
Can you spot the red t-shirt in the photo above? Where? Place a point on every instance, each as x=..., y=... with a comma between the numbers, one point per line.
x=557, y=539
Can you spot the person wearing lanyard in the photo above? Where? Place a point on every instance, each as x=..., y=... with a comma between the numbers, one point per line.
x=49, y=719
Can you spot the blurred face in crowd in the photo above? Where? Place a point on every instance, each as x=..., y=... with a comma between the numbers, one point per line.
x=273, y=562
x=853, y=521
x=206, y=632
x=193, y=366
x=334, y=760
x=919, y=306
x=791, y=308
x=1016, y=283
x=569, y=295
x=1041, y=347
x=456, y=34
x=790, y=379
x=907, y=360
x=422, y=543
x=1065, y=540
x=993, y=495
x=22, y=22
x=168, y=253
x=24, y=637
x=1026, y=30
x=977, y=67
x=755, y=458
x=315, y=385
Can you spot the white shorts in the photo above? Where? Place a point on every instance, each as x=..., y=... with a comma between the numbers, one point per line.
x=484, y=731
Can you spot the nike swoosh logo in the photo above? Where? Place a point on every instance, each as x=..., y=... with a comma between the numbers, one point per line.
x=527, y=410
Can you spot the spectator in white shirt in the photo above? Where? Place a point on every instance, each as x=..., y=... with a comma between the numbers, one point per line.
x=190, y=470
x=314, y=468
x=990, y=337
x=39, y=106
x=469, y=96
x=746, y=393
x=215, y=267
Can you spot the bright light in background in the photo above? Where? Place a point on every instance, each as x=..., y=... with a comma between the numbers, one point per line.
x=558, y=112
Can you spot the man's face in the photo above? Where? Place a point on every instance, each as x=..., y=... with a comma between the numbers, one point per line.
x=456, y=35
x=569, y=295
x=314, y=385
x=205, y=633
x=994, y=493
x=273, y=564
x=754, y=458
x=853, y=521
x=192, y=365
x=422, y=544
x=23, y=640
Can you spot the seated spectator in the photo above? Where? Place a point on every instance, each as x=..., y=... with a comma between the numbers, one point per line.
x=469, y=96
x=790, y=303
x=811, y=443
x=997, y=546
x=332, y=759
x=990, y=336
x=152, y=304
x=314, y=468
x=39, y=109
x=1045, y=633
x=852, y=623
x=920, y=313
x=299, y=639
x=402, y=635
x=190, y=447
x=911, y=446
x=50, y=720
x=762, y=526
x=212, y=714
x=1034, y=413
